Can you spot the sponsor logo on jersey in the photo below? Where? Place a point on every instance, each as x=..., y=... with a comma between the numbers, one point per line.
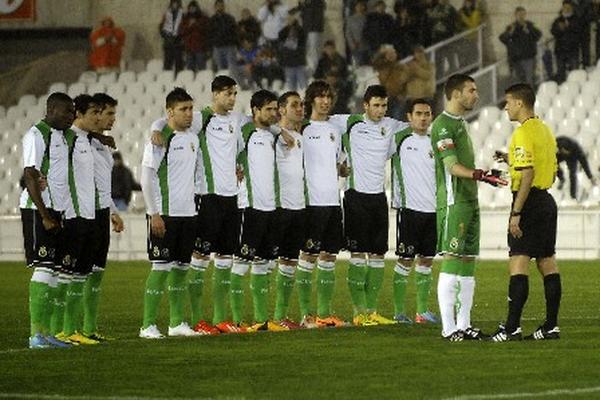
x=443, y=132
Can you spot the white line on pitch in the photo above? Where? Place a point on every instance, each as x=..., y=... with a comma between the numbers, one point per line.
x=555, y=392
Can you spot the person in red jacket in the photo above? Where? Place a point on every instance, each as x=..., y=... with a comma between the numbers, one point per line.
x=194, y=29
x=107, y=45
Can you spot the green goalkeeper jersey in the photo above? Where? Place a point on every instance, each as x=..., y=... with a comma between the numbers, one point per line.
x=449, y=137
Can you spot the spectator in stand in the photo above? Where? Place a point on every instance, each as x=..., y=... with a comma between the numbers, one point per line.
x=194, y=29
x=343, y=93
x=355, y=25
x=223, y=30
x=331, y=62
x=272, y=16
x=266, y=68
x=247, y=54
x=405, y=32
x=470, y=15
x=107, y=45
x=584, y=10
x=567, y=34
x=420, y=76
x=312, y=14
x=571, y=152
x=248, y=27
x=292, y=54
x=393, y=76
x=378, y=28
x=170, y=30
x=443, y=17
x=419, y=19
x=123, y=183
x=520, y=39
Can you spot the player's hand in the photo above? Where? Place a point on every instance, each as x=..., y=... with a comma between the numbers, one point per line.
x=287, y=137
x=42, y=182
x=157, y=226
x=117, y=223
x=492, y=177
x=513, y=226
x=344, y=170
x=239, y=173
x=157, y=139
x=50, y=224
x=500, y=156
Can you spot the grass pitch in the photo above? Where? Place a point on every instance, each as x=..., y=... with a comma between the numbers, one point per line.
x=394, y=362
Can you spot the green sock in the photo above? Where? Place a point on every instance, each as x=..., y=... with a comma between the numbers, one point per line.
x=38, y=306
x=196, y=287
x=284, y=288
x=259, y=286
x=423, y=280
x=304, y=285
x=176, y=287
x=221, y=281
x=400, y=280
x=74, y=306
x=155, y=288
x=50, y=306
x=357, y=271
x=58, y=308
x=325, y=287
x=91, y=297
x=375, y=273
x=236, y=290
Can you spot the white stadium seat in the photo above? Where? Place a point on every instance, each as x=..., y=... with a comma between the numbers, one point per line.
x=563, y=100
x=568, y=127
x=27, y=100
x=184, y=78
x=75, y=89
x=547, y=89
x=577, y=75
x=570, y=89
x=57, y=87
x=155, y=65
x=88, y=77
x=489, y=115
x=107, y=78
x=98, y=87
x=591, y=87
x=126, y=77
x=15, y=112
x=146, y=76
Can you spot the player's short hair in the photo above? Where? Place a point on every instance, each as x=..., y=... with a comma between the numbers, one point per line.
x=316, y=89
x=374, y=91
x=222, y=82
x=523, y=92
x=104, y=100
x=412, y=103
x=177, y=95
x=262, y=98
x=58, y=98
x=283, y=99
x=83, y=103
x=456, y=82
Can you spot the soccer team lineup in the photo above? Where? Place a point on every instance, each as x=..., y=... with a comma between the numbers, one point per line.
x=252, y=203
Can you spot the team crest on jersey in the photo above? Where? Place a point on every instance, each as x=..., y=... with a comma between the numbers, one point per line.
x=193, y=147
x=230, y=128
x=332, y=137
x=299, y=144
x=43, y=252
x=383, y=131
x=155, y=251
x=454, y=243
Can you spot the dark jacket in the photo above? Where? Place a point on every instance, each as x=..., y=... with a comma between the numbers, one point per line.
x=223, y=29
x=378, y=29
x=521, y=43
x=336, y=63
x=292, y=46
x=249, y=29
x=566, y=40
x=571, y=152
x=123, y=183
x=312, y=13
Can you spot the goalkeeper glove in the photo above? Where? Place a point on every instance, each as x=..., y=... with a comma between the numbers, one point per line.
x=493, y=177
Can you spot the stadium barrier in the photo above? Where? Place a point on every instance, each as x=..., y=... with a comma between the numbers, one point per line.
x=578, y=236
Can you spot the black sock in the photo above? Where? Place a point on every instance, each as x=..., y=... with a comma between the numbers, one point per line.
x=553, y=292
x=518, y=290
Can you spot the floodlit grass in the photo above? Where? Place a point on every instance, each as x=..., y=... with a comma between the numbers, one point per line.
x=395, y=362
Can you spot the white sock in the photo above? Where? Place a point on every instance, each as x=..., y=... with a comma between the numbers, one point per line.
x=465, y=301
x=446, y=292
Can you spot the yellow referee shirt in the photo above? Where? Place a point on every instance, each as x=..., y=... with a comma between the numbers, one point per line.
x=533, y=145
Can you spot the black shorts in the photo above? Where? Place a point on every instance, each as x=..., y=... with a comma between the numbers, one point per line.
x=416, y=234
x=538, y=223
x=259, y=237
x=290, y=230
x=218, y=225
x=366, y=222
x=323, y=229
x=101, y=239
x=41, y=246
x=178, y=242
x=79, y=237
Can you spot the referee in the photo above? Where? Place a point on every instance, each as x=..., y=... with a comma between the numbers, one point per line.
x=532, y=225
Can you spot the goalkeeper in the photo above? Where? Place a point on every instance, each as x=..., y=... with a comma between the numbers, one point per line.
x=457, y=208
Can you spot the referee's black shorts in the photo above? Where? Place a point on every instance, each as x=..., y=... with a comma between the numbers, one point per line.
x=366, y=222
x=538, y=223
x=101, y=241
x=41, y=246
